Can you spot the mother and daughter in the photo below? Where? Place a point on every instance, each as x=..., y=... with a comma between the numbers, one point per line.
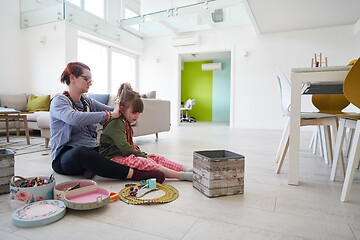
x=73, y=119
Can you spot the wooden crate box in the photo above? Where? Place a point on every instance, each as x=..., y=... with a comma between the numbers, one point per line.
x=6, y=170
x=218, y=172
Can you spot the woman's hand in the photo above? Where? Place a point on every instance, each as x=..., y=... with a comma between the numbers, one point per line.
x=116, y=113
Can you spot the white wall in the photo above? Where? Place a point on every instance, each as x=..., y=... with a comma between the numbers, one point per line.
x=44, y=62
x=256, y=100
x=27, y=65
x=11, y=65
x=31, y=66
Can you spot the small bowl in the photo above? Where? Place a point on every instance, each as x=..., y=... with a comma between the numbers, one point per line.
x=20, y=196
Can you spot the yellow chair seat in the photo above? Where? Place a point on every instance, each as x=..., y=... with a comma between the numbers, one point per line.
x=330, y=103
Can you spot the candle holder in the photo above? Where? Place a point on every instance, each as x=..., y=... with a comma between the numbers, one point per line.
x=318, y=61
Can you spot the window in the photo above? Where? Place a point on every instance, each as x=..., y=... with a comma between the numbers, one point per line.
x=96, y=57
x=128, y=13
x=96, y=7
x=109, y=66
x=75, y=2
x=123, y=70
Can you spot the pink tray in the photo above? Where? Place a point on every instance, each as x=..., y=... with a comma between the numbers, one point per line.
x=61, y=188
x=90, y=196
x=87, y=198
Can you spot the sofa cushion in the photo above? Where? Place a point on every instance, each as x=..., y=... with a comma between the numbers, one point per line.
x=33, y=117
x=103, y=98
x=154, y=119
x=17, y=101
x=43, y=121
x=38, y=103
x=111, y=100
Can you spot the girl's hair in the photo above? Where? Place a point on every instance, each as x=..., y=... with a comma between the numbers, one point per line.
x=74, y=68
x=128, y=97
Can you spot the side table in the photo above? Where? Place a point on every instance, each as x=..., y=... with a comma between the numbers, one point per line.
x=12, y=114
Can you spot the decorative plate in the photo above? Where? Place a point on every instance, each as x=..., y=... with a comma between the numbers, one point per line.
x=39, y=213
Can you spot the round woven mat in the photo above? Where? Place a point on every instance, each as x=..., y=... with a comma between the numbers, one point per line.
x=171, y=194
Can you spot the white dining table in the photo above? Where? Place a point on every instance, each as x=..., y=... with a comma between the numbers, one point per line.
x=299, y=77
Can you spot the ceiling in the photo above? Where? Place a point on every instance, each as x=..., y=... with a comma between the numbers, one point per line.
x=181, y=17
x=288, y=15
x=176, y=17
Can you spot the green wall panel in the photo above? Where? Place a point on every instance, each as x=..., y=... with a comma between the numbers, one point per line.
x=197, y=84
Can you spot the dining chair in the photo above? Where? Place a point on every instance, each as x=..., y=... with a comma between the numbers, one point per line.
x=329, y=104
x=316, y=141
x=351, y=89
x=307, y=119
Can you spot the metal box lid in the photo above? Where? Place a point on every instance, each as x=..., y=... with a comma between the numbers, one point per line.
x=39, y=213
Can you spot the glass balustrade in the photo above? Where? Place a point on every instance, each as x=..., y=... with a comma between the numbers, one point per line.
x=178, y=19
x=34, y=13
x=90, y=21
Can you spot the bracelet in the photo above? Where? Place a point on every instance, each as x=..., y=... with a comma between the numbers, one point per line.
x=110, y=116
x=107, y=116
x=113, y=196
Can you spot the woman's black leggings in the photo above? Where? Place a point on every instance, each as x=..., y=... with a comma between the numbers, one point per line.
x=76, y=160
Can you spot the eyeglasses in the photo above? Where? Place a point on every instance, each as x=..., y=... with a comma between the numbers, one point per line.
x=87, y=79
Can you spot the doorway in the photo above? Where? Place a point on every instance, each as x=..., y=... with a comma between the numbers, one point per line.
x=207, y=78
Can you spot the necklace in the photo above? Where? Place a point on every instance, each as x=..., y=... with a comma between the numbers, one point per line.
x=129, y=133
x=86, y=108
x=85, y=103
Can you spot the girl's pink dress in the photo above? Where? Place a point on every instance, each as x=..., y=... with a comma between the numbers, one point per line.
x=152, y=162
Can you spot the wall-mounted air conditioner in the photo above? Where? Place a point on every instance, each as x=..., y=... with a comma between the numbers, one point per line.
x=211, y=66
x=186, y=41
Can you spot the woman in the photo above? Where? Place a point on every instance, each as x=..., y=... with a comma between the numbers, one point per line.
x=73, y=120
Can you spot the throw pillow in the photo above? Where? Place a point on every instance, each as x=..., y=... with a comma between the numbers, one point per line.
x=16, y=101
x=38, y=103
x=103, y=98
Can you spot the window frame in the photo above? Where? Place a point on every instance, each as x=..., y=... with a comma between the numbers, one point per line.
x=126, y=53
x=110, y=49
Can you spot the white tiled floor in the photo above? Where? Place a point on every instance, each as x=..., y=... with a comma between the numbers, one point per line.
x=269, y=209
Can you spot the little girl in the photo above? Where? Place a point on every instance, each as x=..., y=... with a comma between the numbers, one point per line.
x=116, y=141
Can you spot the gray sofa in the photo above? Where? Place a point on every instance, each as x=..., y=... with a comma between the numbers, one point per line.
x=154, y=119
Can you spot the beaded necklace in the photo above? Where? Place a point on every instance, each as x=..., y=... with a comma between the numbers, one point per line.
x=129, y=133
x=84, y=102
x=86, y=108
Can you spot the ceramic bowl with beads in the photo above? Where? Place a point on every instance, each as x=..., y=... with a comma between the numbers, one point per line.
x=28, y=190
